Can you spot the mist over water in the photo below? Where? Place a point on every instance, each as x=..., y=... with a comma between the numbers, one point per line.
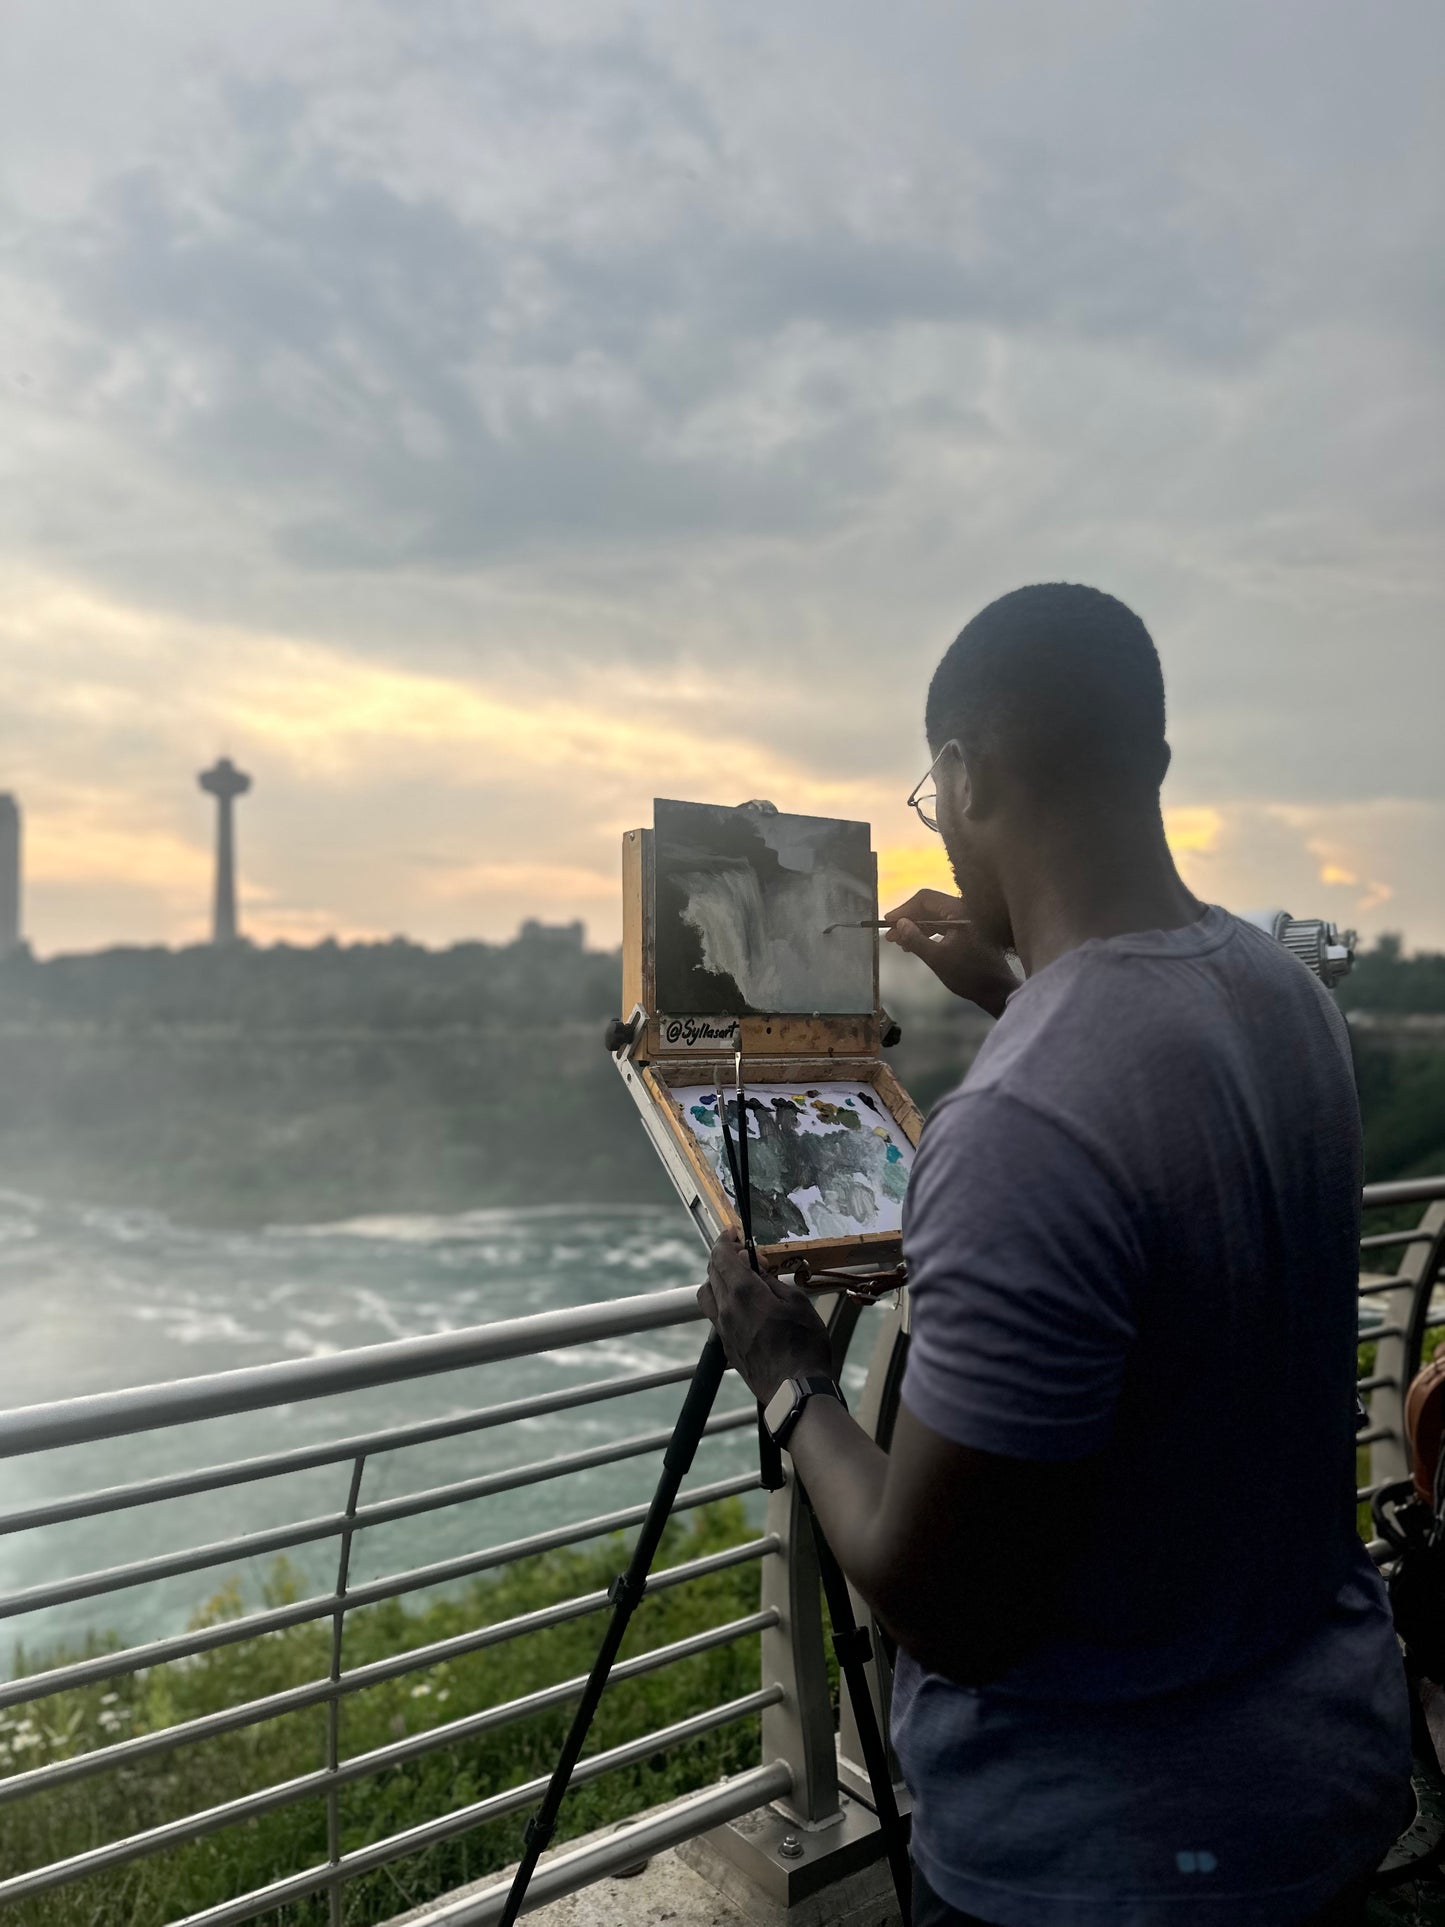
x=95, y=1299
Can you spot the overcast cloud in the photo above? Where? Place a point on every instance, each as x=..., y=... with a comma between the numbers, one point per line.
x=480, y=419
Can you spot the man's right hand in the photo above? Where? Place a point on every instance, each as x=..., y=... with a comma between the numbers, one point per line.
x=959, y=959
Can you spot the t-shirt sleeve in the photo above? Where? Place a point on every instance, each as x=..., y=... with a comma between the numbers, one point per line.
x=1024, y=1267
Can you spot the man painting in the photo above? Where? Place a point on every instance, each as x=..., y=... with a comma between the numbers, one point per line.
x=1122, y=1699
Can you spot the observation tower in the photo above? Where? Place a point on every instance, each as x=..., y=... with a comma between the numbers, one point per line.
x=225, y=782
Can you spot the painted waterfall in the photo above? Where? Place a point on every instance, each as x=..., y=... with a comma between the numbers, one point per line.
x=743, y=899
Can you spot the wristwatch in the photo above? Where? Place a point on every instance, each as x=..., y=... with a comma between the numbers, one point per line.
x=785, y=1407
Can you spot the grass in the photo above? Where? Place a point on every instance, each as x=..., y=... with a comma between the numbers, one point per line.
x=165, y=1886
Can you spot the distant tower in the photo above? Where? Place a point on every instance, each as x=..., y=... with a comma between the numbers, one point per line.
x=9, y=876
x=225, y=782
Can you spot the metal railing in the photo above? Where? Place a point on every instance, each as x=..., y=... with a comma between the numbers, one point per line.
x=805, y=1763
x=269, y=1390
x=1398, y=1314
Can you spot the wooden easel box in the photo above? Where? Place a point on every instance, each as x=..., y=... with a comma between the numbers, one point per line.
x=787, y=1052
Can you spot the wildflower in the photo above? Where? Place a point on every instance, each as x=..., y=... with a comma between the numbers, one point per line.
x=420, y=1690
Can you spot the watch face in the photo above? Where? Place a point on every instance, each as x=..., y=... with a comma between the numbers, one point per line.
x=779, y=1405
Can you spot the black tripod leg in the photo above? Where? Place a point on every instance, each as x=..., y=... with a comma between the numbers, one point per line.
x=851, y=1644
x=626, y=1591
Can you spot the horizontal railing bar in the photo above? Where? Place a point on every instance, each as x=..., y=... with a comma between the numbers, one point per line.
x=250, y=1388
x=306, y=1458
x=410, y=1505
x=561, y=1872
x=570, y=1869
x=171, y=1833
x=1404, y=1191
x=1375, y=1433
x=188, y=1645
x=1377, y=1382
x=1364, y=1493
x=446, y=1826
x=170, y=1565
x=254, y=1545
x=416, y=1659
x=250, y=1806
x=1369, y=1336
x=1383, y=1240
x=163, y=1652
x=420, y=1657
x=362, y=1765
x=444, y=1571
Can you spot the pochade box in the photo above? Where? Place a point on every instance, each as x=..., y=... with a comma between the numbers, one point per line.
x=747, y=929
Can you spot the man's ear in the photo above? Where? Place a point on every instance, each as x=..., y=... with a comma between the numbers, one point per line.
x=1164, y=761
x=978, y=787
x=956, y=777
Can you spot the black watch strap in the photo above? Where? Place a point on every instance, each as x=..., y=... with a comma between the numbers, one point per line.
x=780, y=1422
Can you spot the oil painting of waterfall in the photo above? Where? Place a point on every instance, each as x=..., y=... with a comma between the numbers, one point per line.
x=743, y=902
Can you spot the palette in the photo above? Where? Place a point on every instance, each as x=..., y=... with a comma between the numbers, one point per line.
x=725, y=947
x=824, y=1161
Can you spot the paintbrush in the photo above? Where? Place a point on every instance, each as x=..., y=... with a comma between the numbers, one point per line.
x=919, y=923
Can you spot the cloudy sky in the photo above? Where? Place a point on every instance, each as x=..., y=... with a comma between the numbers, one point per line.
x=481, y=418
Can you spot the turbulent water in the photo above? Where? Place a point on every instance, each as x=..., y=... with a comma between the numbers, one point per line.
x=91, y=1300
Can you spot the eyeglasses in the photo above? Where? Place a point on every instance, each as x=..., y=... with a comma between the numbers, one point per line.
x=925, y=800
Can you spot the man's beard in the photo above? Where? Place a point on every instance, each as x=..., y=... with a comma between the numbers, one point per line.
x=983, y=904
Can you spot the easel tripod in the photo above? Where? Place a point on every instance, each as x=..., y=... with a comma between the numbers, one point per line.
x=850, y=1640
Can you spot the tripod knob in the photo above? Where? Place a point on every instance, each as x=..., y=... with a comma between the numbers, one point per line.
x=618, y=1034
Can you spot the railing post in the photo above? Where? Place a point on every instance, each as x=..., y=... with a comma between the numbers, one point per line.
x=333, y=1705
x=1397, y=1356
x=876, y=1412
x=817, y=1852
x=799, y=1729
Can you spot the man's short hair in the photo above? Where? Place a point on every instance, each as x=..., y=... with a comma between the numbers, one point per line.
x=1062, y=684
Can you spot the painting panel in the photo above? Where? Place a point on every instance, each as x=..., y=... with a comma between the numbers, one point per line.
x=743, y=901
x=824, y=1160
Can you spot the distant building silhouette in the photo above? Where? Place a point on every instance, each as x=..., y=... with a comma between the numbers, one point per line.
x=559, y=936
x=9, y=876
x=225, y=782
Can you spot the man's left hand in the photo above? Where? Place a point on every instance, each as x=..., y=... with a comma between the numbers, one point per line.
x=770, y=1329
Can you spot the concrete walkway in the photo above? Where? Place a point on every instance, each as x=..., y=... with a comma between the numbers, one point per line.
x=669, y=1892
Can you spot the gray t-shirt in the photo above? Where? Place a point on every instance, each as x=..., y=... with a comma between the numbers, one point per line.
x=1132, y=1233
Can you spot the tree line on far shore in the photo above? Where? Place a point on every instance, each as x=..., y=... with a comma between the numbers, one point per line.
x=293, y=1084
x=543, y=976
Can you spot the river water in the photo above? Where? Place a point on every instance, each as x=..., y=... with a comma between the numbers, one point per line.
x=94, y=1299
